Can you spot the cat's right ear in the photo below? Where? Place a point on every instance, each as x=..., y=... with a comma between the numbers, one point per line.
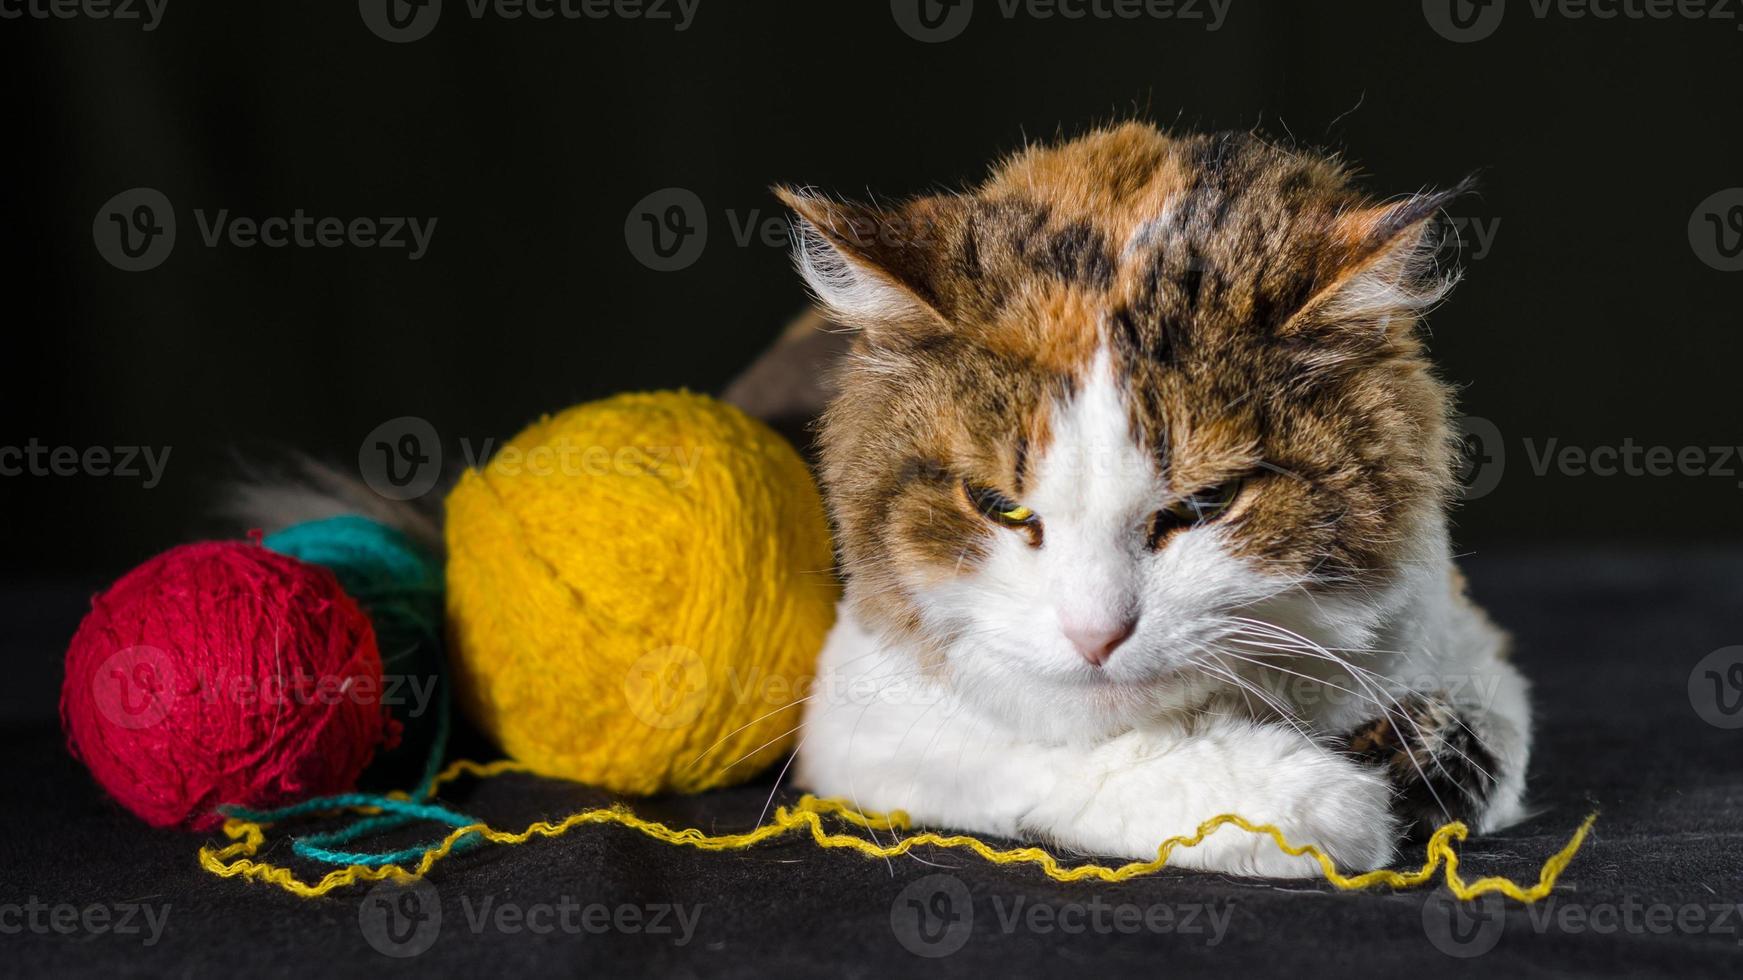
x=872, y=267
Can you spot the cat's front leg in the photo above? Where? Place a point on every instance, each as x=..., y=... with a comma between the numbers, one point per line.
x=950, y=768
x=1127, y=795
x=880, y=734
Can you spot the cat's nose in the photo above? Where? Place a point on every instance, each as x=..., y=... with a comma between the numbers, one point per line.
x=1096, y=640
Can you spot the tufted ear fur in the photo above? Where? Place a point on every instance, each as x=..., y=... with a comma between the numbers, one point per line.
x=1387, y=268
x=870, y=266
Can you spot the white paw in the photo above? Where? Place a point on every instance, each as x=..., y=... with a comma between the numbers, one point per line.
x=1135, y=799
x=1342, y=808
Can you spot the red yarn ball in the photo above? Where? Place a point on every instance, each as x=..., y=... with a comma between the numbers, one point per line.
x=222, y=672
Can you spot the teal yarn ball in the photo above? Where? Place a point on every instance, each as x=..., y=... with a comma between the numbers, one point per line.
x=399, y=585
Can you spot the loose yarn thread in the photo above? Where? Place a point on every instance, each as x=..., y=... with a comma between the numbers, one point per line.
x=239, y=858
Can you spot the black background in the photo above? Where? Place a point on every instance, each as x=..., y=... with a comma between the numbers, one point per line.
x=1589, y=321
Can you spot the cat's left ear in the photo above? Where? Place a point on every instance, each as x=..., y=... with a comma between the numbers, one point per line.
x=1385, y=265
x=874, y=267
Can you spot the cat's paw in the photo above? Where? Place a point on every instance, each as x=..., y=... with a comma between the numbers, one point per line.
x=1313, y=796
x=1134, y=798
x=1433, y=755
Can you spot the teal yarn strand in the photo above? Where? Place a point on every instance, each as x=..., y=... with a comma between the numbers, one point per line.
x=400, y=587
x=395, y=814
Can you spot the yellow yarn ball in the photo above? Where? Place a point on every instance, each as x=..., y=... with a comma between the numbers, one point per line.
x=637, y=592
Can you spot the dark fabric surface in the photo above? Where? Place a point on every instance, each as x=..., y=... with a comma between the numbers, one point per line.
x=1609, y=639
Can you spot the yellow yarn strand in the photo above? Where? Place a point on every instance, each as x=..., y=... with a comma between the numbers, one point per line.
x=237, y=859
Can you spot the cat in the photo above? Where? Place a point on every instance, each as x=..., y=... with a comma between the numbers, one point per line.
x=1139, y=474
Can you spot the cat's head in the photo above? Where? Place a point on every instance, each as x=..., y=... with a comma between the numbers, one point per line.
x=1130, y=392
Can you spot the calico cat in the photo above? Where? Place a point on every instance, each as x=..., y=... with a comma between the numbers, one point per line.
x=1139, y=474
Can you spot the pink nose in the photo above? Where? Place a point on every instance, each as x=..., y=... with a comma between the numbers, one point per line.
x=1096, y=641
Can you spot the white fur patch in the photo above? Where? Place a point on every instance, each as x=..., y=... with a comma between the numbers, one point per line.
x=1094, y=488
x=853, y=292
x=1404, y=280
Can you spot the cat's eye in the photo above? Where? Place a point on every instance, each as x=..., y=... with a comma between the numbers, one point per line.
x=997, y=507
x=1200, y=508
